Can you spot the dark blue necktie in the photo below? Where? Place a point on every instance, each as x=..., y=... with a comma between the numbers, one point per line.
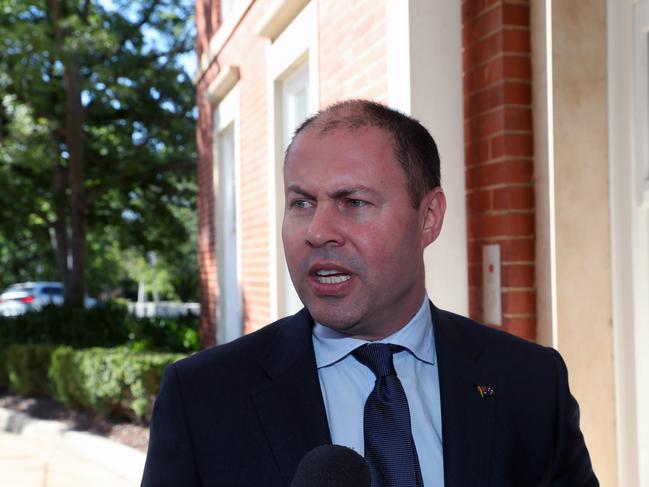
x=389, y=448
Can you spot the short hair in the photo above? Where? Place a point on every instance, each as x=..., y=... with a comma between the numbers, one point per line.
x=414, y=147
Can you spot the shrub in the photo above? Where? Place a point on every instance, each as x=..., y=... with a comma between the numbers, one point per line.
x=168, y=334
x=4, y=379
x=113, y=382
x=107, y=325
x=104, y=325
x=27, y=367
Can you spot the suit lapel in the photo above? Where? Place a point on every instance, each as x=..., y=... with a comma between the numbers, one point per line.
x=291, y=408
x=467, y=418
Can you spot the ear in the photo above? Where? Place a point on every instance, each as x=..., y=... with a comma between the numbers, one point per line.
x=432, y=209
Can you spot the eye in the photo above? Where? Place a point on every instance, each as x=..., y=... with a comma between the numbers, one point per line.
x=300, y=204
x=354, y=203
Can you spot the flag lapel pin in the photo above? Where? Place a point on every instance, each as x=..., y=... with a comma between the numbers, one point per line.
x=486, y=391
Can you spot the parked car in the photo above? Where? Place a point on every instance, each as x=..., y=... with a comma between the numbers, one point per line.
x=19, y=298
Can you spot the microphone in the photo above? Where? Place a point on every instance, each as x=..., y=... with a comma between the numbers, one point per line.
x=332, y=466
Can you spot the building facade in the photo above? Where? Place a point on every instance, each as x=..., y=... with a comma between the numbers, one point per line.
x=540, y=113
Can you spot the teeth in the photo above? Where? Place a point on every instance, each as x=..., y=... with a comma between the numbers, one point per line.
x=334, y=279
x=327, y=272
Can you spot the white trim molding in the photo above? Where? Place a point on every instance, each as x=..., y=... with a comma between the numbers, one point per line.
x=222, y=84
x=280, y=14
x=295, y=45
x=628, y=36
x=225, y=30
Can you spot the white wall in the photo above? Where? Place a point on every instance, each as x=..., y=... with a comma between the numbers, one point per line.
x=425, y=81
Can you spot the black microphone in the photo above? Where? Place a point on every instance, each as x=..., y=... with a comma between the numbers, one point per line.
x=332, y=466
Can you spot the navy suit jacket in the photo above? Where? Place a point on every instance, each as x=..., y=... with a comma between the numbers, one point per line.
x=245, y=413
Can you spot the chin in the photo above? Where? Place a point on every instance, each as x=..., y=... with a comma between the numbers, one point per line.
x=333, y=318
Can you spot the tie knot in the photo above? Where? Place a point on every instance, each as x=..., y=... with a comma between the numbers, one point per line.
x=377, y=357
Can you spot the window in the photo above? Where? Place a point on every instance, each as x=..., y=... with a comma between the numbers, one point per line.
x=294, y=95
x=230, y=306
x=292, y=85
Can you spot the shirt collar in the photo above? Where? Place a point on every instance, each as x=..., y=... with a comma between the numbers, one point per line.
x=416, y=336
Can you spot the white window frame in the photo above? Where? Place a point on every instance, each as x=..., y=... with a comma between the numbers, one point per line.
x=230, y=323
x=295, y=46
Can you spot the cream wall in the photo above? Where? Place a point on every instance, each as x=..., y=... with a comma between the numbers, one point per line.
x=628, y=21
x=573, y=253
x=416, y=87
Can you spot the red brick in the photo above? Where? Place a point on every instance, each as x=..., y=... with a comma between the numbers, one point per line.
x=521, y=327
x=511, y=171
x=486, y=74
x=475, y=302
x=488, y=226
x=518, y=119
x=472, y=9
x=475, y=274
x=517, y=92
x=517, y=145
x=501, y=225
x=478, y=201
x=483, y=50
x=517, y=275
x=517, y=67
x=488, y=123
x=513, y=198
x=484, y=100
x=517, y=250
x=516, y=14
x=516, y=41
x=519, y=302
x=474, y=250
x=520, y=224
x=484, y=24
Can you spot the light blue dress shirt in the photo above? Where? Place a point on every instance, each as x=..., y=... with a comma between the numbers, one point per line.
x=346, y=383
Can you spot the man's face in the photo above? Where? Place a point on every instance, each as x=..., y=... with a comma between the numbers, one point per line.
x=353, y=242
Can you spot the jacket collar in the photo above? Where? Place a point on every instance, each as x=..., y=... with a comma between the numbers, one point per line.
x=294, y=418
x=468, y=419
x=290, y=407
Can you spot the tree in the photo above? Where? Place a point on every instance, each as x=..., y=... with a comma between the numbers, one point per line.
x=96, y=125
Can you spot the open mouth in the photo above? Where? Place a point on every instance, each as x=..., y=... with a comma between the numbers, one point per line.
x=331, y=276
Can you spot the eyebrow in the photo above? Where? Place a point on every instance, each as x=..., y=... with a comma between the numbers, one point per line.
x=341, y=193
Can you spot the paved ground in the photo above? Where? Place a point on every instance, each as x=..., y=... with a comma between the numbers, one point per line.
x=43, y=454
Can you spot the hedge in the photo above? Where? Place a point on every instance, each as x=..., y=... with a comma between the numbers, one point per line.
x=110, y=381
x=105, y=325
x=113, y=382
x=27, y=367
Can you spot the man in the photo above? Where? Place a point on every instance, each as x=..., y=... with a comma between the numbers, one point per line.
x=429, y=397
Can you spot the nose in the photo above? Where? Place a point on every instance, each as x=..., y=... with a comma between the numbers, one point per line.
x=324, y=227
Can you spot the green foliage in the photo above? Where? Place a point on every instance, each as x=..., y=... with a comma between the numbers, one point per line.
x=120, y=381
x=178, y=334
x=4, y=379
x=138, y=137
x=106, y=325
x=27, y=367
x=113, y=382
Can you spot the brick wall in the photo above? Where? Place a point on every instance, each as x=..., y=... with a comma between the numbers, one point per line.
x=498, y=154
x=358, y=70
x=246, y=50
x=353, y=61
x=206, y=215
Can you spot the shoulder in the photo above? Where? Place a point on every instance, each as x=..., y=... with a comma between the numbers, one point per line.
x=238, y=364
x=496, y=346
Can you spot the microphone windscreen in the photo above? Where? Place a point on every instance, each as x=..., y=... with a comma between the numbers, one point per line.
x=332, y=466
